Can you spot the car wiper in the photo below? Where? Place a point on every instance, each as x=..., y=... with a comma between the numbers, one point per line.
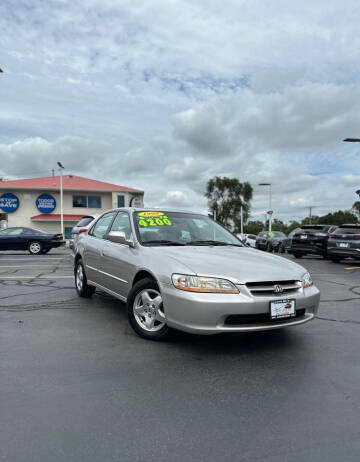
x=162, y=242
x=209, y=242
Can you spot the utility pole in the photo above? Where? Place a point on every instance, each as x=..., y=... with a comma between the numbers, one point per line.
x=310, y=212
x=241, y=221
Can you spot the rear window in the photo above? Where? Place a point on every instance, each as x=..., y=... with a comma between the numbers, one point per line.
x=315, y=228
x=85, y=221
x=354, y=230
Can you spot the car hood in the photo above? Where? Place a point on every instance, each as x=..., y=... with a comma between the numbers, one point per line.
x=238, y=264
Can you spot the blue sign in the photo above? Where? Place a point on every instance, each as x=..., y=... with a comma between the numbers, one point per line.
x=9, y=202
x=45, y=203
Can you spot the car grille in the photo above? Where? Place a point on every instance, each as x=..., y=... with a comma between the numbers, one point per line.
x=261, y=289
x=261, y=318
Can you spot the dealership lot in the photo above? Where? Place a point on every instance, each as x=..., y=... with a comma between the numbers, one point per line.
x=76, y=383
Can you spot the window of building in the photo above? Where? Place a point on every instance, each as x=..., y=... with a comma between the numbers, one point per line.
x=82, y=200
x=79, y=201
x=94, y=202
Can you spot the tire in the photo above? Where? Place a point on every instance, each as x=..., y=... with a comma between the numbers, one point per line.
x=269, y=248
x=335, y=259
x=145, y=311
x=297, y=255
x=35, y=247
x=281, y=249
x=82, y=287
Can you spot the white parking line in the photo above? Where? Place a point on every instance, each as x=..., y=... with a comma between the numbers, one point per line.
x=353, y=267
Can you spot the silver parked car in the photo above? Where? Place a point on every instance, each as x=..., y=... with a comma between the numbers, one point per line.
x=81, y=226
x=184, y=271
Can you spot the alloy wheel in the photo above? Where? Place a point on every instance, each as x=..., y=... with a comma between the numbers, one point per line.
x=148, y=310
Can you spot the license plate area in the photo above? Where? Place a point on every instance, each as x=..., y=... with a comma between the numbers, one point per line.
x=280, y=309
x=344, y=244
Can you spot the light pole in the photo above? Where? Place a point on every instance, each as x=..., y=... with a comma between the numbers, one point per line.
x=61, y=168
x=270, y=212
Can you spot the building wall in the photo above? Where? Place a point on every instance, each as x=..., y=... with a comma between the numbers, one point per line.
x=27, y=207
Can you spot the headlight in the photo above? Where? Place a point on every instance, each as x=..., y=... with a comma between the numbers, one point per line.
x=306, y=280
x=203, y=284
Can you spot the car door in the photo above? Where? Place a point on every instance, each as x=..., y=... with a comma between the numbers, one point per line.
x=119, y=260
x=94, y=248
x=12, y=239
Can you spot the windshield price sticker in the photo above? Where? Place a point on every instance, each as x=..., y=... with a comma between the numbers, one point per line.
x=153, y=219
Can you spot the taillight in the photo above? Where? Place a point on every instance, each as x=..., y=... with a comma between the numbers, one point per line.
x=58, y=236
x=332, y=235
x=82, y=230
x=356, y=236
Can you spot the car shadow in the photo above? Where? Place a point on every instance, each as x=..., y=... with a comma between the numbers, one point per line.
x=205, y=346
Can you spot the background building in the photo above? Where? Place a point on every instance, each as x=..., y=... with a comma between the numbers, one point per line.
x=35, y=202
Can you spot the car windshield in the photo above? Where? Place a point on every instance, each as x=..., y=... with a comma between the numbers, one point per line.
x=348, y=230
x=177, y=228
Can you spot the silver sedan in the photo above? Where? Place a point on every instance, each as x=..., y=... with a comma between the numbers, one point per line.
x=178, y=270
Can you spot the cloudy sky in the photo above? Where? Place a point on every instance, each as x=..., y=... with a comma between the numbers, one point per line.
x=163, y=95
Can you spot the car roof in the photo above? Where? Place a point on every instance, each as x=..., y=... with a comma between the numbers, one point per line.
x=156, y=209
x=354, y=225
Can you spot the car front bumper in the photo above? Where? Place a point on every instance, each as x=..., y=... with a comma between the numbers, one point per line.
x=208, y=313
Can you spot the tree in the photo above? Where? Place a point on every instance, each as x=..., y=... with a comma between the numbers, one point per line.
x=225, y=197
x=253, y=227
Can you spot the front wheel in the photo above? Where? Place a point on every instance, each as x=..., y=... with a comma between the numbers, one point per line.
x=146, y=311
x=297, y=255
x=82, y=287
x=35, y=247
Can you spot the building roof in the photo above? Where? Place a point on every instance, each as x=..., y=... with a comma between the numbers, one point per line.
x=70, y=183
x=56, y=217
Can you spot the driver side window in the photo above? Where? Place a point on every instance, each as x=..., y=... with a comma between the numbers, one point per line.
x=122, y=224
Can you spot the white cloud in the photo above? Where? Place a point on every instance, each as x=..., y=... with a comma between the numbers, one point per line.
x=163, y=95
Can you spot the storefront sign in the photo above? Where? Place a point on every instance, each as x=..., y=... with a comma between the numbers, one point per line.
x=45, y=203
x=9, y=202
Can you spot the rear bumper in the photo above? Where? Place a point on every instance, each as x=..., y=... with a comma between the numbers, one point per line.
x=344, y=253
x=208, y=313
x=308, y=249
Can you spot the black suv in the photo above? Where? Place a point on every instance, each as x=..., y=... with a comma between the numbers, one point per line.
x=344, y=242
x=311, y=239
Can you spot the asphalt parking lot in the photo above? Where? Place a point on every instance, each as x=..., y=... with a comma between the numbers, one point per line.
x=76, y=383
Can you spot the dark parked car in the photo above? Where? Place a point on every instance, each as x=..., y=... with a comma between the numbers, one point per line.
x=311, y=239
x=286, y=243
x=270, y=241
x=344, y=242
x=33, y=240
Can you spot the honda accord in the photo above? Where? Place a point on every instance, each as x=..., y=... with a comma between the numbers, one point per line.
x=179, y=270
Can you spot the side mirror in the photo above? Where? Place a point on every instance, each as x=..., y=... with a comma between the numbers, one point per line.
x=120, y=238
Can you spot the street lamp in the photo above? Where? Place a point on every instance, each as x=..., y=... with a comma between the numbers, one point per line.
x=61, y=168
x=270, y=212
